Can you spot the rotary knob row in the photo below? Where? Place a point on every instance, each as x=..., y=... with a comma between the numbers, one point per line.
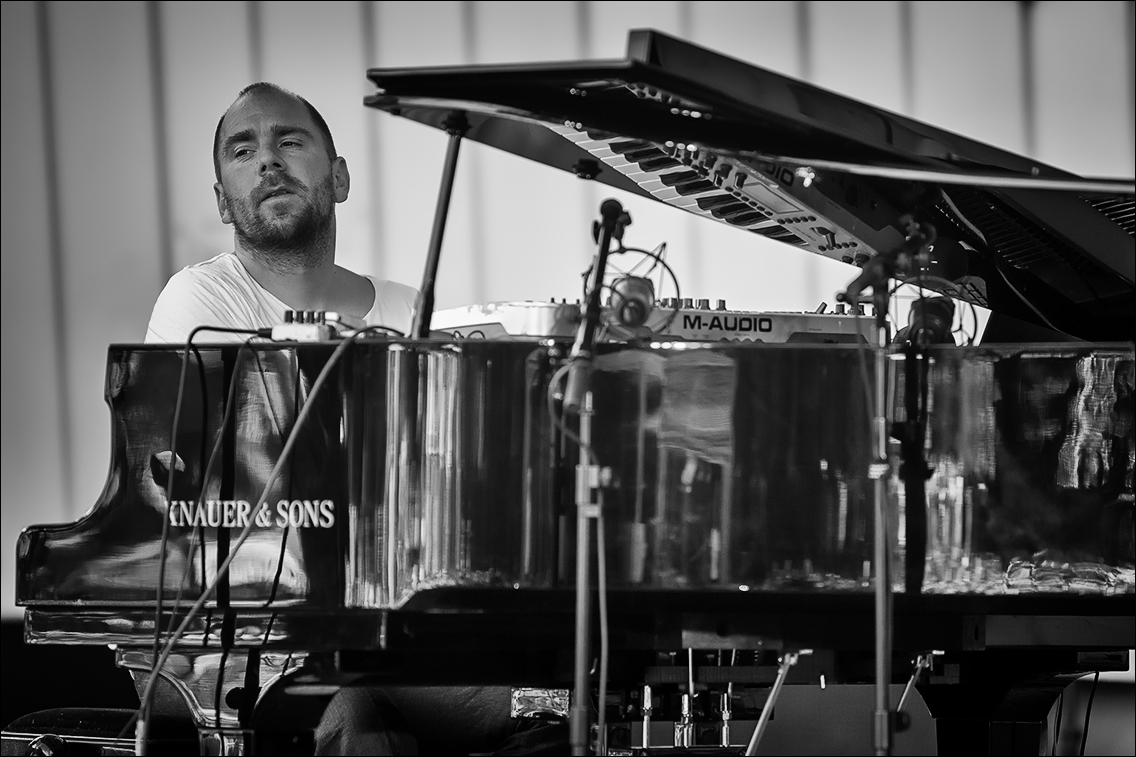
x=305, y=316
x=689, y=303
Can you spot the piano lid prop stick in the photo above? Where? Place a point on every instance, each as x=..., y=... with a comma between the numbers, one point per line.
x=456, y=127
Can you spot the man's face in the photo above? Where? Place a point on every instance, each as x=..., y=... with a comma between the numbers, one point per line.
x=278, y=185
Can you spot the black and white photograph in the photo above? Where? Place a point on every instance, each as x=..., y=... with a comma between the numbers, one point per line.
x=569, y=377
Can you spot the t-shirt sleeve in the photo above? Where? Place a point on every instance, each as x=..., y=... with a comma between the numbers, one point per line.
x=394, y=305
x=189, y=300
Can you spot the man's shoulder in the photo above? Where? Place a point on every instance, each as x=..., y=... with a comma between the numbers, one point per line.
x=210, y=293
x=393, y=306
x=222, y=275
x=387, y=289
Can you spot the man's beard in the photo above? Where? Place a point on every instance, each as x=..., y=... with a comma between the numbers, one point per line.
x=289, y=244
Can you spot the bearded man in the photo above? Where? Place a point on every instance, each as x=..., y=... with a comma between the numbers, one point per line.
x=278, y=181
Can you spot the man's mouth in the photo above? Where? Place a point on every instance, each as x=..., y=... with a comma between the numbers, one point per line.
x=275, y=192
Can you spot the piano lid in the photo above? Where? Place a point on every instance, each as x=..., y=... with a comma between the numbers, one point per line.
x=775, y=156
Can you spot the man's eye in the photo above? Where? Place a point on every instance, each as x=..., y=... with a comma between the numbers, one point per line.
x=290, y=143
x=241, y=152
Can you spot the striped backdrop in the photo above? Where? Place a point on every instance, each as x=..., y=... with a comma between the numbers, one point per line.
x=109, y=110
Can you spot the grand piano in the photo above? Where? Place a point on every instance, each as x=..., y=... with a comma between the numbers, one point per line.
x=405, y=510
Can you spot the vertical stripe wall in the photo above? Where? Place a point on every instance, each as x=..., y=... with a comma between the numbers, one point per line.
x=108, y=116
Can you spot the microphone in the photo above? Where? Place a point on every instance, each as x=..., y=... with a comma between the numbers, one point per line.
x=612, y=221
x=885, y=265
x=632, y=300
x=874, y=274
x=929, y=322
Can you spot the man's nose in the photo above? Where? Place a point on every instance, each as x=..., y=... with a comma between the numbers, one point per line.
x=270, y=160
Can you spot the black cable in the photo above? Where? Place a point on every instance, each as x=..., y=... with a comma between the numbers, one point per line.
x=368, y=329
x=169, y=493
x=144, y=708
x=219, y=686
x=222, y=569
x=230, y=403
x=279, y=430
x=287, y=526
x=268, y=631
x=862, y=355
x=170, y=478
x=558, y=421
x=1088, y=710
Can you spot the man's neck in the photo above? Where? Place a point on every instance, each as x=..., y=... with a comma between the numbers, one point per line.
x=322, y=286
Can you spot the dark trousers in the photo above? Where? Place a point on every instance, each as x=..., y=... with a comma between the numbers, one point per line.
x=409, y=720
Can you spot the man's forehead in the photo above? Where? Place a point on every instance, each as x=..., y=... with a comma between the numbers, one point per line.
x=266, y=109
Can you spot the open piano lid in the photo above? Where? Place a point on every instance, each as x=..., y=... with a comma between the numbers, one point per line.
x=778, y=157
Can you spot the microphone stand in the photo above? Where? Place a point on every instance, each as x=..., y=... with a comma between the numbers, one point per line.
x=578, y=398
x=884, y=269
x=876, y=274
x=587, y=480
x=881, y=554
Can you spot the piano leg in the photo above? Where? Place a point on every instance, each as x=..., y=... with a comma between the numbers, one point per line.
x=194, y=685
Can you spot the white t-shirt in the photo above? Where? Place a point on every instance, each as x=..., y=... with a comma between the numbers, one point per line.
x=220, y=292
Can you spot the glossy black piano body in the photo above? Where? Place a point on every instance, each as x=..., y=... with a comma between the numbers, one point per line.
x=735, y=468
x=420, y=529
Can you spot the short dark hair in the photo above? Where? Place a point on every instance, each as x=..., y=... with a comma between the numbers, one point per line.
x=263, y=87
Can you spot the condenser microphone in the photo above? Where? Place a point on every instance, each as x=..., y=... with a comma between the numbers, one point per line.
x=610, y=226
x=929, y=322
x=885, y=265
x=632, y=301
x=874, y=274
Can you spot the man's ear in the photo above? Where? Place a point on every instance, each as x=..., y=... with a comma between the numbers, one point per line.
x=341, y=178
x=222, y=203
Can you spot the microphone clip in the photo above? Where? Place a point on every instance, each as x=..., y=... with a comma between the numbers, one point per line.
x=619, y=225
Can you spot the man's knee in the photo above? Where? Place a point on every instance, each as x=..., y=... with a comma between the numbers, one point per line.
x=362, y=720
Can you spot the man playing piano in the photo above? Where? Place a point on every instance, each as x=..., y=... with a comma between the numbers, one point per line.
x=278, y=181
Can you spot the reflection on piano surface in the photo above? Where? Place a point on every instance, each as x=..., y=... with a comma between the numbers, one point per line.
x=741, y=463
x=421, y=528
